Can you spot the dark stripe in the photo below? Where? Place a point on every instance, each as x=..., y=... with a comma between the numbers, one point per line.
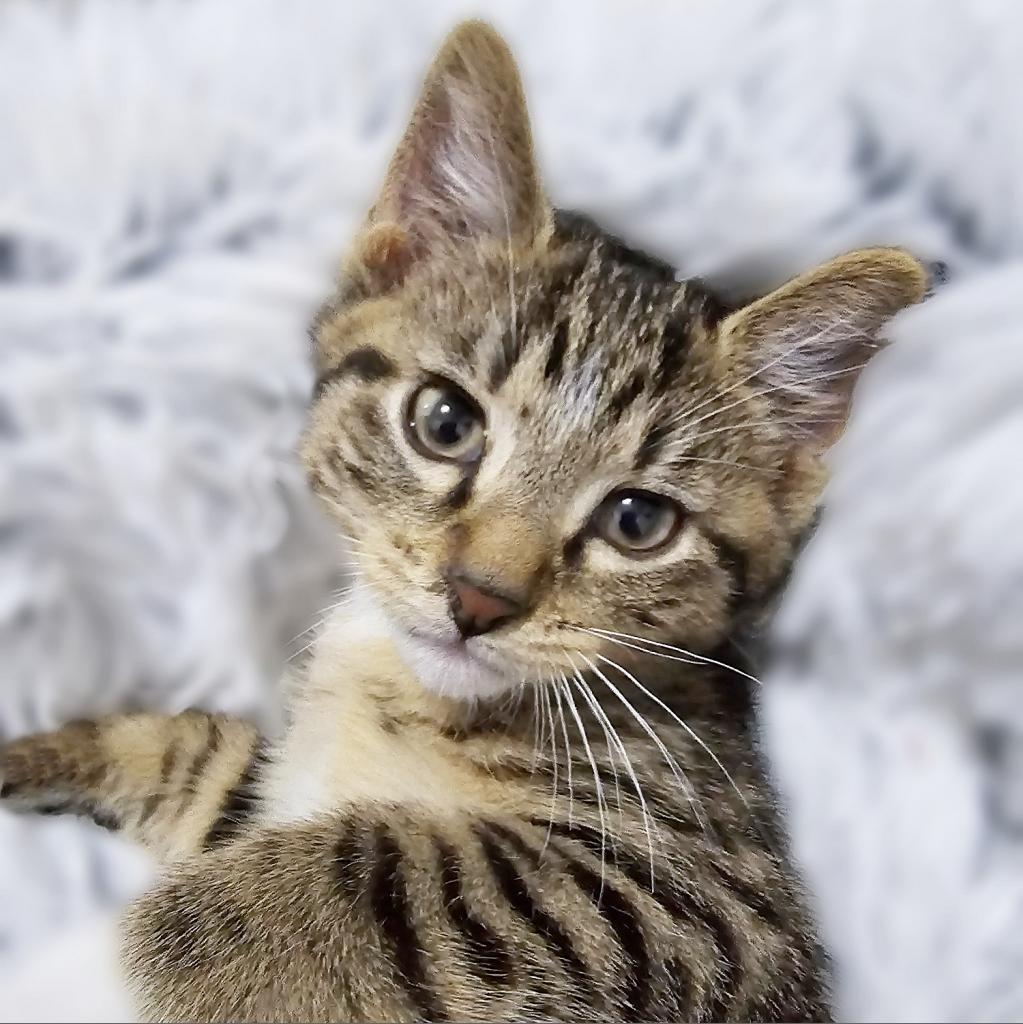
x=757, y=901
x=350, y=863
x=678, y=983
x=507, y=355
x=677, y=904
x=240, y=802
x=365, y=363
x=651, y=445
x=458, y=496
x=556, y=355
x=733, y=560
x=393, y=915
x=153, y=801
x=149, y=808
x=515, y=891
x=626, y=395
x=573, y=226
x=674, y=343
x=83, y=808
x=104, y=818
x=620, y=915
x=170, y=756
x=488, y=955
x=202, y=759
x=342, y=467
x=623, y=919
x=572, y=552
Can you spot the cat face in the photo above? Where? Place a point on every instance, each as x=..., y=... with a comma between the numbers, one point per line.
x=542, y=445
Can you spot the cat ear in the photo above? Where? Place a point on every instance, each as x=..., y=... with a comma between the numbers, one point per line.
x=464, y=168
x=803, y=346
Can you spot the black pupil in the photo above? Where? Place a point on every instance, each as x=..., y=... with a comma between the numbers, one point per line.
x=637, y=517
x=450, y=421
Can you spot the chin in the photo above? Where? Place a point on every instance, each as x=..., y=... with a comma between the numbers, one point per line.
x=451, y=668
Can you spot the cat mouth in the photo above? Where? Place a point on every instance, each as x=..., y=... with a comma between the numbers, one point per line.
x=462, y=651
x=452, y=666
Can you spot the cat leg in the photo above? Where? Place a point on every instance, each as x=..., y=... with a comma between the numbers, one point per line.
x=176, y=784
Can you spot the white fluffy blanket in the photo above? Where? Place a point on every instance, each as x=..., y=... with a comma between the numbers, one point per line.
x=177, y=181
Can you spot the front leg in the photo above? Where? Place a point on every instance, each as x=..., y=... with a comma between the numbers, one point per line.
x=176, y=784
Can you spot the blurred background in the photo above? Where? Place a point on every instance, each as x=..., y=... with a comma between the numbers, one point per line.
x=177, y=183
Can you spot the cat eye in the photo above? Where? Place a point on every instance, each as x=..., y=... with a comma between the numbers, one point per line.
x=637, y=521
x=445, y=424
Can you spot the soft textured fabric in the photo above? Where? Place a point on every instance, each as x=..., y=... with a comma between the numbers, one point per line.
x=177, y=182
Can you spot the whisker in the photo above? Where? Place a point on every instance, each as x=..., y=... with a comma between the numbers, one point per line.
x=680, y=776
x=668, y=758
x=730, y=428
x=648, y=827
x=763, y=392
x=570, y=701
x=766, y=470
x=605, y=723
x=538, y=734
x=554, y=764
x=689, y=657
x=685, y=725
x=759, y=370
x=568, y=754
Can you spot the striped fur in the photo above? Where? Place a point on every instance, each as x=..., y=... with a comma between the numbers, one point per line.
x=166, y=782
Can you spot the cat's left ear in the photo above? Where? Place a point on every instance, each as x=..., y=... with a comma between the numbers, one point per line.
x=464, y=169
x=804, y=345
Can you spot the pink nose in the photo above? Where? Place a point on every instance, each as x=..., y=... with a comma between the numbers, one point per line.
x=477, y=608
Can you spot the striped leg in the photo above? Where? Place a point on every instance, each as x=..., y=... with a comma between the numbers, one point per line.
x=176, y=784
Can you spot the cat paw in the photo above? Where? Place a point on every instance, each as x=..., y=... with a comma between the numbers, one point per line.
x=36, y=772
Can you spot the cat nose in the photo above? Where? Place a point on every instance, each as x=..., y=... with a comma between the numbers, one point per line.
x=478, y=608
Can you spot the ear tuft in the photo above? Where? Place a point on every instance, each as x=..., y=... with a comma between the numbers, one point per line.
x=464, y=169
x=805, y=344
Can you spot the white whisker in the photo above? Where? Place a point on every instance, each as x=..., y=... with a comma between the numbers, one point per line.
x=682, y=655
x=764, y=392
x=537, y=727
x=627, y=761
x=570, y=701
x=609, y=731
x=756, y=372
x=685, y=725
x=554, y=764
x=680, y=776
x=568, y=753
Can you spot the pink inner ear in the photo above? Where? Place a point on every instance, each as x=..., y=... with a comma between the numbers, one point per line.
x=419, y=193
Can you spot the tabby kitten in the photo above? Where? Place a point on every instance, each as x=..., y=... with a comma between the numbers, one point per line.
x=518, y=780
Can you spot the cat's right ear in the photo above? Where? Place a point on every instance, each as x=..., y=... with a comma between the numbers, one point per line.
x=464, y=169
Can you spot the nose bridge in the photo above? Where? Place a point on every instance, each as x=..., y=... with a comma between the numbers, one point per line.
x=505, y=549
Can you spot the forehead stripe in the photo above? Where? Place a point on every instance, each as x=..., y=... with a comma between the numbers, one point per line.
x=674, y=344
x=507, y=354
x=556, y=355
x=368, y=364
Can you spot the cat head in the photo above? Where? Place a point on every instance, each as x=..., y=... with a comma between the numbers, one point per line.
x=543, y=446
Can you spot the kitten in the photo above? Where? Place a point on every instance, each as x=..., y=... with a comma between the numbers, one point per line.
x=518, y=779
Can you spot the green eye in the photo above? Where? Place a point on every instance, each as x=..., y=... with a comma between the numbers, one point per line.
x=638, y=521
x=445, y=424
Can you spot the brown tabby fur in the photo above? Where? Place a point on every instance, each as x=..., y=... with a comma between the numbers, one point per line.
x=435, y=842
